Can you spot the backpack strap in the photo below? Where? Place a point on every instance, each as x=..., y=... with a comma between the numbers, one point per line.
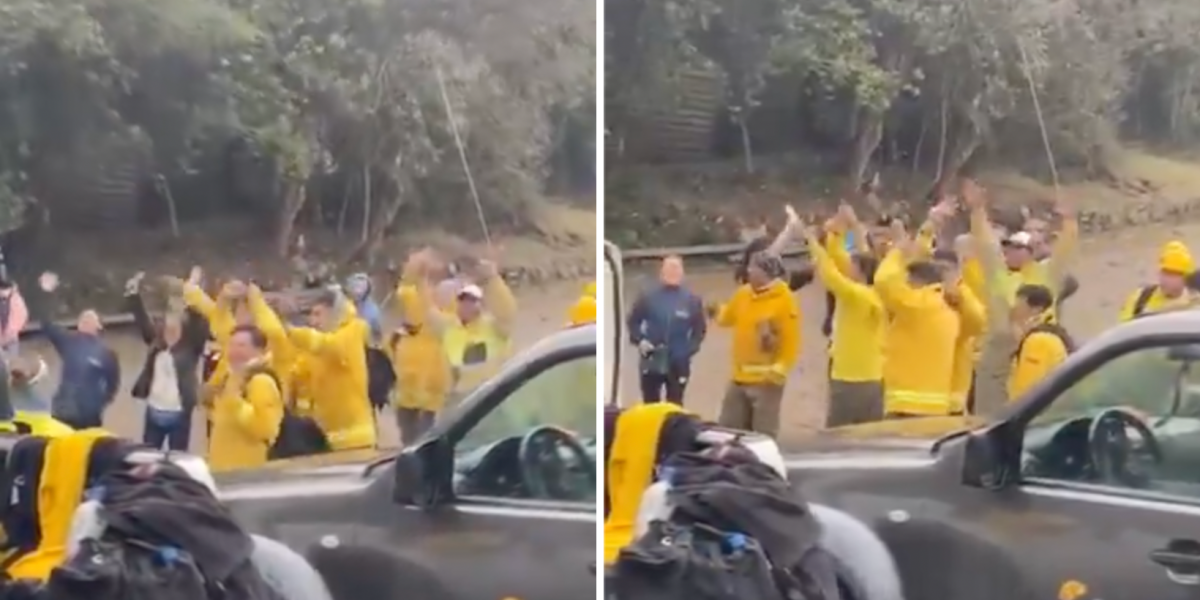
x=1139, y=305
x=1052, y=328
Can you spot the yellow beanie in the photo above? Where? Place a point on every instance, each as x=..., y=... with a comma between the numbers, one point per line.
x=1175, y=258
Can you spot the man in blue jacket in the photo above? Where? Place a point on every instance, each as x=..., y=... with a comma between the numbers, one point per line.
x=667, y=324
x=91, y=373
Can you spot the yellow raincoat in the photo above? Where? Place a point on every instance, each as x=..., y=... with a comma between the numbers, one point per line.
x=1038, y=354
x=246, y=415
x=338, y=376
x=489, y=333
x=422, y=370
x=919, y=345
x=221, y=323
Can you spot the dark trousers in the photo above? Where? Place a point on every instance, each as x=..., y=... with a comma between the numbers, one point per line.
x=413, y=423
x=176, y=437
x=673, y=383
x=80, y=422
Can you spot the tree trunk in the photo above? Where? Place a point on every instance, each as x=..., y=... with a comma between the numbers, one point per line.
x=295, y=194
x=747, y=149
x=866, y=141
x=369, y=246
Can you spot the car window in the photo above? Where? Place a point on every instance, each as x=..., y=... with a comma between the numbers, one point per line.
x=1151, y=444
x=490, y=460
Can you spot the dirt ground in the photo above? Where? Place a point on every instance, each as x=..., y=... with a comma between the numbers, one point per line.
x=1109, y=268
x=542, y=311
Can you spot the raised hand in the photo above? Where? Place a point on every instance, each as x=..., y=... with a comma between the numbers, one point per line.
x=48, y=281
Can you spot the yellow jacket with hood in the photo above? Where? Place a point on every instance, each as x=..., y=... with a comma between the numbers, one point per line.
x=245, y=415
x=919, y=345
x=1173, y=258
x=1038, y=353
x=422, y=371
x=337, y=377
x=766, y=333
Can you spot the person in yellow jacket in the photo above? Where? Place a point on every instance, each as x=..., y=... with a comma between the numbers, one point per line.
x=856, y=345
x=1015, y=256
x=1042, y=345
x=422, y=370
x=960, y=294
x=765, y=319
x=921, y=333
x=584, y=309
x=248, y=408
x=477, y=337
x=1171, y=292
x=335, y=349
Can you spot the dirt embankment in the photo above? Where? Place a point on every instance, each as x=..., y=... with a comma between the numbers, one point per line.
x=95, y=266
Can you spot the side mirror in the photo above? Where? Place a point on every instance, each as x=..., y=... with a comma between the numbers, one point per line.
x=423, y=475
x=987, y=459
x=1185, y=353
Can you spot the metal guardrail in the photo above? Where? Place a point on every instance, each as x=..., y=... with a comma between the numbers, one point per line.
x=117, y=322
x=701, y=251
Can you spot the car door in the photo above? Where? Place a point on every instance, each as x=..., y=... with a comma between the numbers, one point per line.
x=1079, y=537
x=492, y=547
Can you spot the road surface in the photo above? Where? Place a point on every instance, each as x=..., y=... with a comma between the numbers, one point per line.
x=542, y=310
x=1109, y=268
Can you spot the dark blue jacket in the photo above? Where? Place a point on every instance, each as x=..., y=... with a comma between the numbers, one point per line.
x=671, y=318
x=91, y=374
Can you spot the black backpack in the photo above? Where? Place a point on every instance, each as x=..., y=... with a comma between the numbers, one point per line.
x=298, y=435
x=693, y=562
x=142, y=553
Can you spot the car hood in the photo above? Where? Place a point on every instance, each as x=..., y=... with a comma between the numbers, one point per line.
x=894, y=435
x=326, y=474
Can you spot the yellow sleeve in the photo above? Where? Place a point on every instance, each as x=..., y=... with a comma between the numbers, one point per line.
x=727, y=315
x=262, y=408
x=891, y=284
x=1040, y=354
x=338, y=346
x=198, y=301
x=832, y=276
x=267, y=320
x=501, y=303
x=925, y=239
x=835, y=249
x=1063, y=253
x=787, y=323
x=972, y=274
x=971, y=314
x=1130, y=305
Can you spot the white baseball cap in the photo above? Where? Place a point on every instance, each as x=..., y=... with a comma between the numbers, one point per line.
x=1023, y=239
x=470, y=291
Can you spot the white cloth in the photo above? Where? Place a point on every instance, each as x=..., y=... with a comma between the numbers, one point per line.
x=164, y=385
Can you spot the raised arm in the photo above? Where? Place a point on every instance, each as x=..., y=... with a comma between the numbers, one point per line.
x=136, y=305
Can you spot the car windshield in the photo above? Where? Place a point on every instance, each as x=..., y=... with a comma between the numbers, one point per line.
x=1149, y=381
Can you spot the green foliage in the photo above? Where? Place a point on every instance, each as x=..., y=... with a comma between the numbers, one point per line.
x=1099, y=68
x=323, y=89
